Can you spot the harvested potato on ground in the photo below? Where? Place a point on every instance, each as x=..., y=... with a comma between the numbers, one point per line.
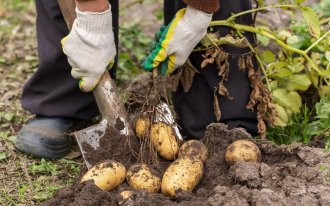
x=107, y=175
x=183, y=174
x=141, y=177
x=142, y=126
x=195, y=149
x=242, y=150
x=164, y=140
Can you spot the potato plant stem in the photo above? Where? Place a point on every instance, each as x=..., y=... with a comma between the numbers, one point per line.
x=233, y=17
x=266, y=33
x=317, y=41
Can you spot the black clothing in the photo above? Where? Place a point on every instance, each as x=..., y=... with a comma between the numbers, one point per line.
x=53, y=92
x=195, y=108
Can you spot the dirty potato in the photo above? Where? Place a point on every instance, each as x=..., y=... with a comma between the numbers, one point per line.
x=141, y=177
x=164, y=140
x=142, y=126
x=194, y=149
x=183, y=174
x=107, y=175
x=242, y=150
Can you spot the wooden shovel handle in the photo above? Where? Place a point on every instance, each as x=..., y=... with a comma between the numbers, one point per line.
x=68, y=10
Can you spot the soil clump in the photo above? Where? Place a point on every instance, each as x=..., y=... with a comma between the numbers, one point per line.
x=114, y=146
x=287, y=175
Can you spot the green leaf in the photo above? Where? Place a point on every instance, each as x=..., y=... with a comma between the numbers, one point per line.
x=299, y=1
x=260, y=3
x=314, y=77
x=298, y=82
x=298, y=65
x=206, y=41
x=312, y=20
x=282, y=117
x=263, y=40
x=288, y=100
x=327, y=55
x=268, y=57
x=273, y=85
x=324, y=90
x=3, y=156
x=326, y=72
x=284, y=34
x=7, y=117
x=4, y=134
x=279, y=69
x=323, y=167
x=323, y=108
x=314, y=128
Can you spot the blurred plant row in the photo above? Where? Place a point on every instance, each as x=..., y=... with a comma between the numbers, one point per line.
x=300, y=82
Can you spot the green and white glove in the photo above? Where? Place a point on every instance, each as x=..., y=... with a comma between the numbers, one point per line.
x=90, y=47
x=175, y=42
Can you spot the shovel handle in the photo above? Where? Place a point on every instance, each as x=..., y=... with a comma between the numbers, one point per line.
x=107, y=99
x=68, y=11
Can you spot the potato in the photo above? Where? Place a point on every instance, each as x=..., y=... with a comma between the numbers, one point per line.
x=164, y=140
x=194, y=149
x=142, y=126
x=141, y=177
x=106, y=175
x=242, y=150
x=183, y=174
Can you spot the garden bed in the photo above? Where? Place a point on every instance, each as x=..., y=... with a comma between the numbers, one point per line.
x=287, y=175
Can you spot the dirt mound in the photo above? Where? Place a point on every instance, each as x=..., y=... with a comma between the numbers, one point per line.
x=287, y=175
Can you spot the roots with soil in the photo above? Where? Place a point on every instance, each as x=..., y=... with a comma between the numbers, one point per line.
x=145, y=95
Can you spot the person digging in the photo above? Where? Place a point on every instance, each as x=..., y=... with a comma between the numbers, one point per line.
x=60, y=105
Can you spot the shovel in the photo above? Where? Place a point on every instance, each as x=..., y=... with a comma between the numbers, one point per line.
x=111, y=108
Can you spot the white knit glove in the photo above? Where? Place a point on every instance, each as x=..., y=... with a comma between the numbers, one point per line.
x=175, y=42
x=90, y=47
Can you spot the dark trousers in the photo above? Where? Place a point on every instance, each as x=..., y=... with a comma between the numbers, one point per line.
x=52, y=91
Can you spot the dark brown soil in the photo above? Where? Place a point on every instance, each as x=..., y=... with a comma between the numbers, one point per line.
x=287, y=175
x=114, y=146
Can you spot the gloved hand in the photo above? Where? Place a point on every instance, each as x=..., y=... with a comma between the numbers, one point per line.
x=175, y=42
x=90, y=47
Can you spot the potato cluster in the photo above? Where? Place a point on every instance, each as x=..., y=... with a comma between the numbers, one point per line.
x=162, y=137
x=183, y=174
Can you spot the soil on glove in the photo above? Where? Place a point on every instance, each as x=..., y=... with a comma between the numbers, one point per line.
x=287, y=175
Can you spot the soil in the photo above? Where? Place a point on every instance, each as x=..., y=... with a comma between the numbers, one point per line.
x=113, y=146
x=286, y=175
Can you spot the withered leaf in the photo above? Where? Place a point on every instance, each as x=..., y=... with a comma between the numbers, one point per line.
x=217, y=111
x=260, y=99
x=241, y=63
x=187, y=77
x=236, y=42
x=222, y=90
x=209, y=57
